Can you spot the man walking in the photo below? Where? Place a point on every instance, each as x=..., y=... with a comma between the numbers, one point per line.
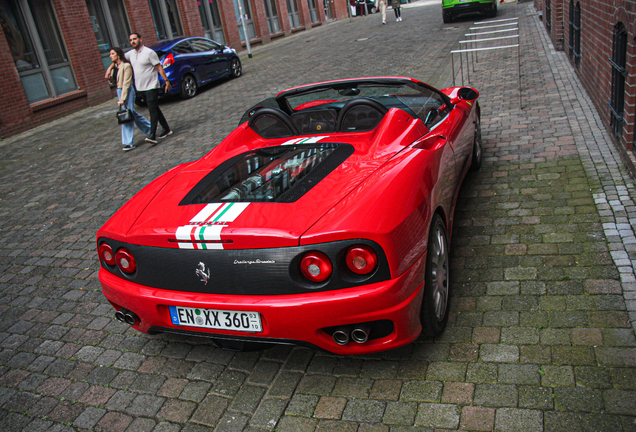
x=146, y=64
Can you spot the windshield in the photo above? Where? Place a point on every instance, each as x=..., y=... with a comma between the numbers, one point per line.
x=355, y=91
x=415, y=98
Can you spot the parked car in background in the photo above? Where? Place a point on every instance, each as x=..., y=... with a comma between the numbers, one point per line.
x=453, y=8
x=192, y=62
x=371, y=7
x=357, y=7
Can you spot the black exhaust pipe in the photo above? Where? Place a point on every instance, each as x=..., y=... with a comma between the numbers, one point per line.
x=126, y=316
x=360, y=333
x=120, y=315
x=341, y=335
x=131, y=318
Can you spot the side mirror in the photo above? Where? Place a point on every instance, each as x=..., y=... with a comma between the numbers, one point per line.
x=468, y=94
x=465, y=94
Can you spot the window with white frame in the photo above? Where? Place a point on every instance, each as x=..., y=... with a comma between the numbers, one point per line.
x=37, y=48
x=211, y=20
x=243, y=13
x=313, y=13
x=272, y=16
x=165, y=16
x=110, y=24
x=294, y=15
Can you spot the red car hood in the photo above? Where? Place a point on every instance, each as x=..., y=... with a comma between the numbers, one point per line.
x=165, y=223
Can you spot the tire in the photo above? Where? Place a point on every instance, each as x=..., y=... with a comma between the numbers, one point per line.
x=188, y=86
x=447, y=17
x=236, y=69
x=372, y=10
x=435, y=305
x=478, y=148
x=493, y=11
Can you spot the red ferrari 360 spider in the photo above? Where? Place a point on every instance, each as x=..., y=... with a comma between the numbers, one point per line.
x=323, y=220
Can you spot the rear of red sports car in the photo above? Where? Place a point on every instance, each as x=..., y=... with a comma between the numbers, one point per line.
x=309, y=224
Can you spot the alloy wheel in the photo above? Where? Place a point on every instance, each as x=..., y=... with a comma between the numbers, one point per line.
x=439, y=272
x=237, y=69
x=189, y=86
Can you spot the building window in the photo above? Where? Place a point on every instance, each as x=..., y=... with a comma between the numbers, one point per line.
x=571, y=27
x=548, y=15
x=110, y=24
x=244, y=7
x=165, y=16
x=617, y=64
x=272, y=16
x=37, y=48
x=294, y=15
x=209, y=11
x=577, y=34
x=313, y=13
x=330, y=12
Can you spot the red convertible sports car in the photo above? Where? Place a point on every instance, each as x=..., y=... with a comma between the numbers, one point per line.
x=322, y=220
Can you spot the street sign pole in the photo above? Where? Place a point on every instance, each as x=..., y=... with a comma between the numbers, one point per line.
x=247, y=37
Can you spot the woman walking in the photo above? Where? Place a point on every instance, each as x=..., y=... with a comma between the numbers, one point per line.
x=396, y=8
x=382, y=5
x=122, y=73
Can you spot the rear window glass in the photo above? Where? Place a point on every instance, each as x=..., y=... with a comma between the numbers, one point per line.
x=182, y=48
x=272, y=174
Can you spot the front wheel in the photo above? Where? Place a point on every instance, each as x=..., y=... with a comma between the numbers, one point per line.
x=236, y=69
x=477, y=147
x=435, y=304
x=372, y=10
x=188, y=87
x=447, y=17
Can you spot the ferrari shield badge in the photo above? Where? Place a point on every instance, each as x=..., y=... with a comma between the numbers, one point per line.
x=200, y=271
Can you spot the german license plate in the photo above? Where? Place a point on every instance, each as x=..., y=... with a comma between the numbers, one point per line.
x=216, y=319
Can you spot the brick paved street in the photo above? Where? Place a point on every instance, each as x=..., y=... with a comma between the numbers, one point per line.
x=541, y=335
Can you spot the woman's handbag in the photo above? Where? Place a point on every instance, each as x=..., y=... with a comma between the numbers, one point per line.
x=124, y=115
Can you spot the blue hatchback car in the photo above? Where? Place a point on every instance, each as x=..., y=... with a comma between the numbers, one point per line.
x=192, y=62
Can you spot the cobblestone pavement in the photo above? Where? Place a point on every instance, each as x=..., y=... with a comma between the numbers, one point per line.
x=540, y=337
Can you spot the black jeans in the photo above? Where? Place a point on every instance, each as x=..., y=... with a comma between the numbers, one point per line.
x=152, y=99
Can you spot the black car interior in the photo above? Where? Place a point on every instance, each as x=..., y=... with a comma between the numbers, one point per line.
x=355, y=115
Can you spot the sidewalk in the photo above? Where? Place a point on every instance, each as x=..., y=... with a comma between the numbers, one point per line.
x=543, y=308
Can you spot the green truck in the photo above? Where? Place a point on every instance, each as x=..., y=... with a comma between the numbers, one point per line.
x=452, y=8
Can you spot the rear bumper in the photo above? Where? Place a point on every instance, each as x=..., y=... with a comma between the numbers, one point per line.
x=295, y=319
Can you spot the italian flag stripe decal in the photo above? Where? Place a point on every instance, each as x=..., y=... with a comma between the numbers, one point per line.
x=207, y=226
x=219, y=216
x=308, y=140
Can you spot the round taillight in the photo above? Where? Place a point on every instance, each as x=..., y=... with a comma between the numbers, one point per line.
x=125, y=261
x=316, y=266
x=106, y=254
x=361, y=259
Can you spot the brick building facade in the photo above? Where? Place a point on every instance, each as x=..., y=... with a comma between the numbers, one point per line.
x=599, y=37
x=60, y=47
